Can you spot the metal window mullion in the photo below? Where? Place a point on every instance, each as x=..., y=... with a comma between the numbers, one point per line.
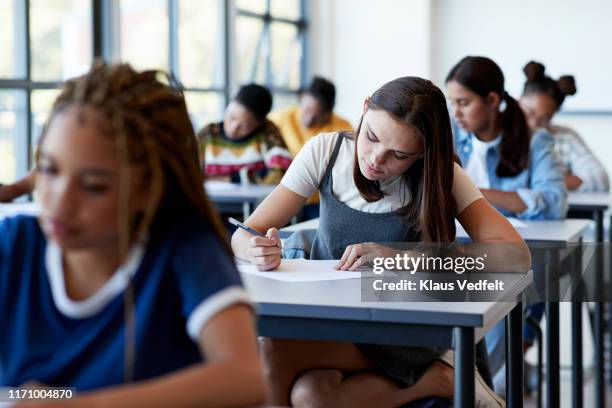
x=227, y=50
x=28, y=77
x=173, y=40
x=97, y=28
x=303, y=28
x=267, y=38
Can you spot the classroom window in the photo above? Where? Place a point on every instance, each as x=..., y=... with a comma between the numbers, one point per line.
x=60, y=39
x=143, y=38
x=44, y=42
x=270, y=36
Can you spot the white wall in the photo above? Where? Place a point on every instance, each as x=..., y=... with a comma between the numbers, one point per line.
x=361, y=44
x=568, y=36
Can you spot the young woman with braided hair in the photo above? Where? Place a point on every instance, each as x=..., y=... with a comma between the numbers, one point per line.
x=126, y=280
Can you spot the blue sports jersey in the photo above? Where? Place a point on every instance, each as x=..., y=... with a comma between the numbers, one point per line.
x=180, y=279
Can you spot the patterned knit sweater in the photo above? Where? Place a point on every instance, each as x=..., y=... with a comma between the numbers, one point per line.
x=263, y=152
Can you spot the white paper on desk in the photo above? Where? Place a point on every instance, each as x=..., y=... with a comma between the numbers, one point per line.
x=302, y=270
x=516, y=223
x=217, y=185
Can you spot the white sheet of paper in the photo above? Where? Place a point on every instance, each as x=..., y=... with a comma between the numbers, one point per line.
x=516, y=223
x=216, y=185
x=302, y=270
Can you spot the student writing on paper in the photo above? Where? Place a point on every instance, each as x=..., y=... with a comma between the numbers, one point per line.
x=244, y=141
x=541, y=100
x=393, y=180
x=517, y=171
x=124, y=287
x=315, y=114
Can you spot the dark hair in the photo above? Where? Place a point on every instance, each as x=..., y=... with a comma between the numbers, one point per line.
x=421, y=105
x=324, y=91
x=255, y=98
x=482, y=76
x=539, y=82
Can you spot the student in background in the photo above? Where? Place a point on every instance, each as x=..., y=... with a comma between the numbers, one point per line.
x=244, y=140
x=314, y=115
x=541, y=100
x=23, y=186
x=517, y=170
x=124, y=287
x=402, y=149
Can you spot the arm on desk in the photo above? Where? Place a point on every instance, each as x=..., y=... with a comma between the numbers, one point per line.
x=493, y=234
x=274, y=212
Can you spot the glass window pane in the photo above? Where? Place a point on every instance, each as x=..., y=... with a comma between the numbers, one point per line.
x=204, y=108
x=251, y=46
x=290, y=9
x=42, y=101
x=12, y=39
x=61, y=35
x=254, y=6
x=13, y=124
x=200, y=43
x=286, y=55
x=144, y=33
x=284, y=100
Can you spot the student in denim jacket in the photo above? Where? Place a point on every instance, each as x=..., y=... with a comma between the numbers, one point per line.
x=517, y=171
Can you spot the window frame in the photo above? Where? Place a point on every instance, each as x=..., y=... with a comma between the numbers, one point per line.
x=105, y=37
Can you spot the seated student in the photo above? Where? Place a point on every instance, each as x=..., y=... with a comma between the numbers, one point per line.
x=245, y=140
x=124, y=287
x=517, y=171
x=401, y=149
x=23, y=186
x=542, y=98
x=314, y=115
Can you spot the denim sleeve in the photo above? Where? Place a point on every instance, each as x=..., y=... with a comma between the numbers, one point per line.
x=546, y=195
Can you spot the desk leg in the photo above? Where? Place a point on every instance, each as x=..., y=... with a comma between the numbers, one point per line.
x=552, y=354
x=464, y=367
x=600, y=392
x=514, y=357
x=598, y=217
x=577, y=378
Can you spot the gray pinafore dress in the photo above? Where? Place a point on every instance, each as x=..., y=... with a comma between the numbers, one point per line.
x=340, y=226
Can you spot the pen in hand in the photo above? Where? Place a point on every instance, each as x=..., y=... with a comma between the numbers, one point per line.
x=248, y=229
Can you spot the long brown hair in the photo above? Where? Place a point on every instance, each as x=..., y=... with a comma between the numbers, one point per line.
x=422, y=106
x=147, y=116
x=482, y=76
